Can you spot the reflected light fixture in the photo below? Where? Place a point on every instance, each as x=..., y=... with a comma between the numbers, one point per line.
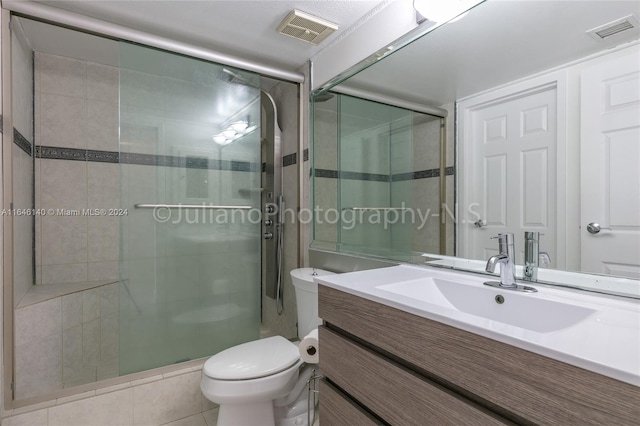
x=239, y=126
x=229, y=133
x=441, y=11
x=234, y=131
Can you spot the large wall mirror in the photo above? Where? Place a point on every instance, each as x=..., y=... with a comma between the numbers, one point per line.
x=544, y=97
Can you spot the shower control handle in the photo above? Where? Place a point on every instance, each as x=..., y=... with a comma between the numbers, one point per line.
x=268, y=235
x=268, y=222
x=269, y=209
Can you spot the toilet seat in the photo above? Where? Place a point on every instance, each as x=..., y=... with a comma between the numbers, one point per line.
x=252, y=360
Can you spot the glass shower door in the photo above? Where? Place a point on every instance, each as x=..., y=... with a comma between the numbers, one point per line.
x=190, y=226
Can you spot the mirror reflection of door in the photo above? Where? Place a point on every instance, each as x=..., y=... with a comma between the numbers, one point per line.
x=512, y=142
x=513, y=170
x=508, y=143
x=610, y=166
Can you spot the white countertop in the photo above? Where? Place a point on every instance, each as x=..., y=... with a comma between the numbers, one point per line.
x=607, y=341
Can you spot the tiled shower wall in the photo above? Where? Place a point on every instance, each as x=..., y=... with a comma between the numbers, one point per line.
x=67, y=341
x=76, y=111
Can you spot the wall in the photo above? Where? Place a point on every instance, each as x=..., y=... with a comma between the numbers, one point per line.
x=76, y=118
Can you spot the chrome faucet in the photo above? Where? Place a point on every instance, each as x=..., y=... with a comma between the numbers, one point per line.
x=506, y=259
x=533, y=257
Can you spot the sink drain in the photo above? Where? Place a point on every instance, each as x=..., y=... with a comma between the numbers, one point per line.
x=499, y=299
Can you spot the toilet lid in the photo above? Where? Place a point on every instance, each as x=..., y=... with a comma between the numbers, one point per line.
x=252, y=360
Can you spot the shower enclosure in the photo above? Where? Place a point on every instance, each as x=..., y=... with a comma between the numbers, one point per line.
x=145, y=170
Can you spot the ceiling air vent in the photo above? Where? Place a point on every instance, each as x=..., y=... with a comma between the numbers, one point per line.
x=614, y=27
x=306, y=27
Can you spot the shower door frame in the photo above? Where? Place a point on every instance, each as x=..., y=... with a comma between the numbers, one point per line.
x=8, y=373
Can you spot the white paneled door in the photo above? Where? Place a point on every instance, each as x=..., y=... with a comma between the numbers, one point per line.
x=511, y=171
x=610, y=167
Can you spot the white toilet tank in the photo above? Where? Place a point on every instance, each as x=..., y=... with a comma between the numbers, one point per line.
x=307, y=298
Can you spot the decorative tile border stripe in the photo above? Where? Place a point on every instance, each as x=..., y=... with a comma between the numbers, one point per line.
x=324, y=173
x=290, y=159
x=305, y=155
x=422, y=174
x=74, y=154
x=103, y=156
x=334, y=174
x=1, y=124
x=55, y=153
x=374, y=177
x=22, y=142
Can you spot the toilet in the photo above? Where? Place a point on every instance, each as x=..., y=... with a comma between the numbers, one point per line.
x=264, y=382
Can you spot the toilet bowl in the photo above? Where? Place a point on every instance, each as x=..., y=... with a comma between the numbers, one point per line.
x=263, y=382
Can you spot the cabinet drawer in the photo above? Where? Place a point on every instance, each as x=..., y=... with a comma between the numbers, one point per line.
x=336, y=409
x=520, y=385
x=393, y=393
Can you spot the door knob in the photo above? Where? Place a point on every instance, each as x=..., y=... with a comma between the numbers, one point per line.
x=479, y=223
x=594, y=227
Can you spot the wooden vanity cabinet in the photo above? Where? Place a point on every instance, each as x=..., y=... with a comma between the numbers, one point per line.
x=401, y=369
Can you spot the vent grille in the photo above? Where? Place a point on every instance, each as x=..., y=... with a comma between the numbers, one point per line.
x=305, y=27
x=614, y=27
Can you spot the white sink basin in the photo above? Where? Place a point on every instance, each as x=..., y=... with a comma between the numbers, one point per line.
x=596, y=332
x=517, y=309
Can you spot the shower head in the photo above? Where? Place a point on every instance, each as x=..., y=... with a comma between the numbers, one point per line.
x=233, y=77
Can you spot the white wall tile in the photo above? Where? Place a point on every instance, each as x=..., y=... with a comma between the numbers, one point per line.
x=102, y=125
x=113, y=409
x=63, y=184
x=72, y=354
x=71, y=310
x=37, y=321
x=64, y=240
x=103, y=238
x=100, y=271
x=211, y=417
x=63, y=76
x=90, y=305
x=65, y=273
x=195, y=420
x=109, y=337
x=63, y=121
x=90, y=347
x=167, y=400
x=102, y=82
x=34, y=418
x=109, y=299
x=37, y=374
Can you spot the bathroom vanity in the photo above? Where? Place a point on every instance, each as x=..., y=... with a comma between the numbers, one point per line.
x=408, y=345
